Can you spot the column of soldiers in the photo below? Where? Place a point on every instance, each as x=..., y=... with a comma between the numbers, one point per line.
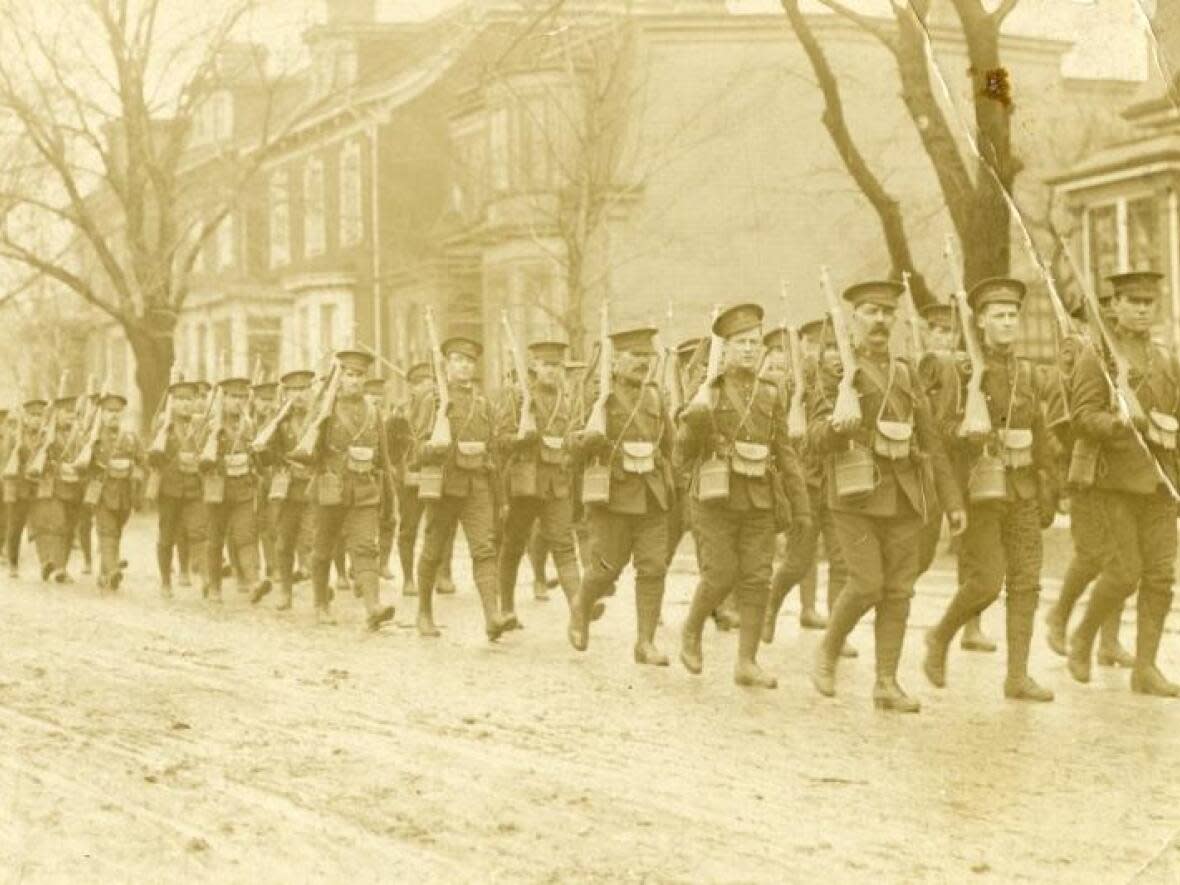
x=607, y=464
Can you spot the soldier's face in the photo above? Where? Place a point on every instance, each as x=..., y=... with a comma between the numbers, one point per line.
x=1000, y=324
x=810, y=345
x=744, y=350
x=374, y=400
x=940, y=338
x=423, y=386
x=110, y=417
x=33, y=420
x=234, y=403
x=775, y=364
x=182, y=406
x=633, y=366
x=352, y=382
x=460, y=367
x=871, y=325
x=548, y=372
x=1134, y=314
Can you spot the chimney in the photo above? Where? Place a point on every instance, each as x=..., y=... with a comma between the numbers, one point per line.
x=351, y=12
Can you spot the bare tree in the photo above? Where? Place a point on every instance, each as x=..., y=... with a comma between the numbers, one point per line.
x=974, y=183
x=101, y=98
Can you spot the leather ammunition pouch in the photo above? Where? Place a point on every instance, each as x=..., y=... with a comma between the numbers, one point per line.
x=749, y=459
x=471, y=454
x=119, y=468
x=892, y=439
x=237, y=464
x=552, y=450
x=186, y=463
x=1161, y=430
x=639, y=457
x=360, y=459
x=1016, y=446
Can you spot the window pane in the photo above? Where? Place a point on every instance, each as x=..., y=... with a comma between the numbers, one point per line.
x=328, y=328
x=498, y=149
x=313, y=207
x=280, y=231
x=264, y=335
x=1104, y=247
x=1143, y=234
x=350, y=195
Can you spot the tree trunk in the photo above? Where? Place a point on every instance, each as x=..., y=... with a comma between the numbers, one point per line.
x=152, y=343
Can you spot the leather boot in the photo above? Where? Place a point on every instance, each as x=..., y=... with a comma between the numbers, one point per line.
x=1081, y=644
x=164, y=567
x=570, y=578
x=726, y=616
x=649, y=598
x=495, y=624
x=774, y=602
x=809, y=616
x=1110, y=651
x=1020, y=613
x=284, y=597
x=425, y=622
x=747, y=673
x=704, y=601
x=1146, y=678
x=843, y=618
x=1057, y=620
x=506, y=573
x=409, y=588
x=974, y=639
x=938, y=638
x=377, y=614
x=320, y=574
x=444, y=583
x=889, y=632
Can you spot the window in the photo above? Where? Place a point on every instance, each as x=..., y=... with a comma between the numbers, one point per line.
x=303, y=336
x=263, y=340
x=1123, y=236
x=225, y=243
x=351, y=224
x=313, y=207
x=202, y=355
x=223, y=349
x=1103, y=246
x=534, y=143
x=498, y=150
x=280, y=219
x=327, y=328
x=1143, y=235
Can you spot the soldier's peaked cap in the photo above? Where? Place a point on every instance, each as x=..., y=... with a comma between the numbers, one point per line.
x=234, y=385
x=183, y=388
x=937, y=313
x=1138, y=283
x=463, y=344
x=265, y=388
x=996, y=290
x=112, y=400
x=688, y=347
x=357, y=360
x=574, y=365
x=375, y=385
x=813, y=327
x=776, y=338
x=738, y=319
x=419, y=372
x=882, y=292
x=65, y=402
x=548, y=350
x=638, y=340
x=297, y=379
x=34, y=404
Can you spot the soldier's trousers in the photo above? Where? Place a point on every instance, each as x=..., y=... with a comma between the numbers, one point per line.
x=1000, y=550
x=799, y=555
x=86, y=532
x=108, y=524
x=554, y=518
x=291, y=537
x=181, y=521
x=266, y=531
x=1140, y=555
x=18, y=516
x=476, y=513
x=52, y=524
x=410, y=512
x=1088, y=532
x=356, y=529
x=232, y=523
x=386, y=530
x=882, y=556
x=617, y=539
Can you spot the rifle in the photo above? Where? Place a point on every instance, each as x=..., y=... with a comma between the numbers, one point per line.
x=49, y=431
x=912, y=316
x=440, y=433
x=528, y=423
x=266, y=433
x=797, y=411
x=160, y=441
x=215, y=421
x=596, y=422
x=977, y=420
x=320, y=412
x=703, y=395
x=86, y=454
x=12, y=465
x=846, y=410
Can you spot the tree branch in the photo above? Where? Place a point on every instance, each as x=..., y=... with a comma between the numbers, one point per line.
x=866, y=23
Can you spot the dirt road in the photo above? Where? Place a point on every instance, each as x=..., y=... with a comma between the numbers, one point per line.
x=144, y=740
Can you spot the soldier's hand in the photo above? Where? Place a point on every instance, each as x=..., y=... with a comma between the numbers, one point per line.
x=958, y=522
x=696, y=415
x=433, y=453
x=589, y=440
x=845, y=426
x=525, y=440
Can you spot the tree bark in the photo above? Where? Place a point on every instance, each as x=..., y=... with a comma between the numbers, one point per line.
x=151, y=341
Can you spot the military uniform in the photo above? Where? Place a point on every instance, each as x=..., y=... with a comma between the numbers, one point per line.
x=1001, y=547
x=467, y=495
x=631, y=525
x=53, y=517
x=180, y=504
x=1138, y=512
x=264, y=399
x=348, y=467
x=287, y=502
x=537, y=470
x=112, y=485
x=229, y=485
x=19, y=491
x=879, y=527
x=387, y=512
x=741, y=437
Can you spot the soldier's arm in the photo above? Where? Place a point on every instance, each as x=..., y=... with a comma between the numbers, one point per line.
x=821, y=437
x=1089, y=396
x=930, y=439
x=787, y=462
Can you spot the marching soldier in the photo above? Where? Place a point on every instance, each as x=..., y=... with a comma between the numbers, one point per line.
x=746, y=486
x=387, y=516
x=538, y=473
x=467, y=495
x=264, y=400
x=1001, y=547
x=878, y=523
x=182, y=512
x=110, y=463
x=629, y=518
x=53, y=517
x=19, y=491
x=348, y=465
x=1086, y=527
x=288, y=498
x=229, y=483
x=1135, y=481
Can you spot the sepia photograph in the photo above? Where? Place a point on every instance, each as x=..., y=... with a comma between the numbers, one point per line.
x=589, y=441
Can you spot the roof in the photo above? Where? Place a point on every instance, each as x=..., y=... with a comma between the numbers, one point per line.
x=1126, y=155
